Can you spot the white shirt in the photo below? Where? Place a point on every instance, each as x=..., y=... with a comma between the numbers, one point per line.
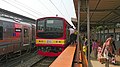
x=71, y=30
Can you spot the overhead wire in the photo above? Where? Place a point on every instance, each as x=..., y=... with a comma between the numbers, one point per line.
x=56, y=7
x=29, y=8
x=45, y=6
x=18, y=8
x=66, y=11
x=32, y=10
x=65, y=8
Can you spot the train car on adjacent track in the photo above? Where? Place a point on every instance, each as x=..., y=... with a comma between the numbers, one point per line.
x=15, y=36
x=52, y=35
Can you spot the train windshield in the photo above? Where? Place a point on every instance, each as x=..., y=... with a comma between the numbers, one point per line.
x=50, y=27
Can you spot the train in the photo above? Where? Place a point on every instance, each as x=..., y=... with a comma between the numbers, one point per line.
x=52, y=35
x=15, y=36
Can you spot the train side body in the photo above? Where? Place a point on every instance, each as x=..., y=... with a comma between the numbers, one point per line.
x=6, y=36
x=14, y=36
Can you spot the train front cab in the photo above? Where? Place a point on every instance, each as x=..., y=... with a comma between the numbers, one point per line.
x=53, y=45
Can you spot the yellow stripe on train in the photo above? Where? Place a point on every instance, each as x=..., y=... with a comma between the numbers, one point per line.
x=47, y=41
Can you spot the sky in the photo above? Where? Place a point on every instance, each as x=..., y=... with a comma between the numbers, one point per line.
x=41, y=8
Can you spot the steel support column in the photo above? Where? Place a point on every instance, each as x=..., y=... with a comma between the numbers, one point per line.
x=88, y=32
x=103, y=33
x=100, y=36
x=78, y=28
x=78, y=39
x=114, y=32
x=107, y=30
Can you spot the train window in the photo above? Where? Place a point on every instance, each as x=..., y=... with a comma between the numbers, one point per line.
x=54, y=25
x=18, y=30
x=25, y=32
x=41, y=25
x=1, y=32
x=51, y=24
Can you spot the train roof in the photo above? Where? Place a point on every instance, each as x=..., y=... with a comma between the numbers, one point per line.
x=6, y=19
x=53, y=17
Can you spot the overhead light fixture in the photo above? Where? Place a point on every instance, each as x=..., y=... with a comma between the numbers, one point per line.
x=118, y=25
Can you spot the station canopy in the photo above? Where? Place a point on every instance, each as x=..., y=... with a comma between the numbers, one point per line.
x=102, y=12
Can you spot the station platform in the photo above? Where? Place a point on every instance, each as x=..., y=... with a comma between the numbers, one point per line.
x=68, y=57
x=96, y=63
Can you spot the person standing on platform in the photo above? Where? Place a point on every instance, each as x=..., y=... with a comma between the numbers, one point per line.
x=85, y=50
x=94, y=48
x=99, y=53
x=71, y=34
x=75, y=35
x=108, y=49
x=71, y=30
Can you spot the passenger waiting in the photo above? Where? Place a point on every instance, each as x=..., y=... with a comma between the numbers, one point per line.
x=73, y=35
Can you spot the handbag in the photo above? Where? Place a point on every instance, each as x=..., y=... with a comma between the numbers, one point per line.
x=102, y=59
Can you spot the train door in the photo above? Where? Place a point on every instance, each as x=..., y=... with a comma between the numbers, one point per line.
x=1, y=32
x=25, y=37
x=17, y=36
x=33, y=35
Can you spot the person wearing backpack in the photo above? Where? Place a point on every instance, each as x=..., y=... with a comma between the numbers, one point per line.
x=108, y=49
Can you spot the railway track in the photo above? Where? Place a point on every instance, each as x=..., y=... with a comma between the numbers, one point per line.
x=15, y=59
x=44, y=62
x=28, y=60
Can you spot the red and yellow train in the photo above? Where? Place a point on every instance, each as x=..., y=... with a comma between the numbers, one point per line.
x=52, y=35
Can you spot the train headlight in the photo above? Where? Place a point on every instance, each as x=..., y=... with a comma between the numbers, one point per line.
x=60, y=49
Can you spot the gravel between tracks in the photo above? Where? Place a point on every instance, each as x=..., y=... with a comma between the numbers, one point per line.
x=30, y=62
